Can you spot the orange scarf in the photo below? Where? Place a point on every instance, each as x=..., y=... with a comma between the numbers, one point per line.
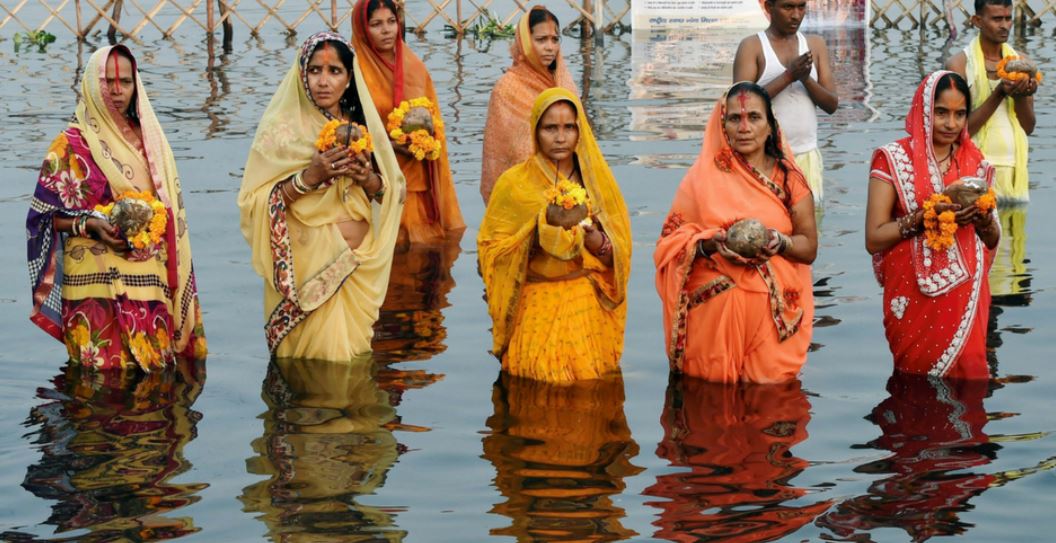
x=390, y=83
x=507, y=136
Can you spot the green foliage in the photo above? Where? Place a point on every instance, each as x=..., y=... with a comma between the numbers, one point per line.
x=486, y=27
x=40, y=38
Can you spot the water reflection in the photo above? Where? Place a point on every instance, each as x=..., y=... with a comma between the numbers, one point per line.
x=1009, y=278
x=111, y=442
x=327, y=441
x=934, y=430
x=410, y=325
x=735, y=442
x=560, y=452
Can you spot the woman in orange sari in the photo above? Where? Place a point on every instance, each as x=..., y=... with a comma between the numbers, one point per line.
x=936, y=302
x=393, y=74
x=537, y=66
x=557, y=294
x=728, y=318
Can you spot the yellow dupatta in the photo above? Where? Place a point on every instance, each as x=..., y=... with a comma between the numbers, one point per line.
x=111, y=141
x=298, y=249
x=508, y=232
x=976, y=72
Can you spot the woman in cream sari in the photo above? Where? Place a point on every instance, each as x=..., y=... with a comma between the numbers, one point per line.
x=322, y=224
x=113, y=305
x=556, y=295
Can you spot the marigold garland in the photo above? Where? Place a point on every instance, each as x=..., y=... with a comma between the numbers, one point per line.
x=987, y=202
x=421, y=143
x=1014, y=76
x=939, y=228
x=566, y=194
x=328, y=137
x=147, y=237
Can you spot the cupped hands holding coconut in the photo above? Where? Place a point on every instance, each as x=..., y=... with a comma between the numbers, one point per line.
x=747, y=242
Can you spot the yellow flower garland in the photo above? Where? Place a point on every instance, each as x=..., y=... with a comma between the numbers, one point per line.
x=987, y=202
x=421, y=143
x=567, y=194
x=328, y=137
x=939, y=228
x=150, y=236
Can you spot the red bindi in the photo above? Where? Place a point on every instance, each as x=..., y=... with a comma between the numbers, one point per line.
x=116, y=85
x=742, y=98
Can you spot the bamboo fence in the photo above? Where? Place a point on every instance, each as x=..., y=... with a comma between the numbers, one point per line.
x=133, y=18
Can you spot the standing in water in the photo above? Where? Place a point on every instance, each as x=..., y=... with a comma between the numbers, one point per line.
x=537, y=66
x=557, y=292
x=393, y=73
x=936, y=297
x=795, y=70
x=1002, y=113
x=726, y=317
x=113, y=304
x=322, y=224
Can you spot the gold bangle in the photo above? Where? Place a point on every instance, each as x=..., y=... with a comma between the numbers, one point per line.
x=299, y=185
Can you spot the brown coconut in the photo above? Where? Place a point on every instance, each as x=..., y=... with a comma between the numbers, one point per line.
x=565, y=218
x=966, y=190
x=1022, y=65
x=418, y=118
x=747, y=237
x=131, y=215
x=347, y=133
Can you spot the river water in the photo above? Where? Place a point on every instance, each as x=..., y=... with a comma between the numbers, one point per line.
x=432, y=444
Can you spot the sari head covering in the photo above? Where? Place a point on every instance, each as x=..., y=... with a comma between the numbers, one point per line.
x=391, y=83
x=507, y=234
x=920, y=282
x=720, y=189
x=298, y=249
x=507, y=134
x=128, y=163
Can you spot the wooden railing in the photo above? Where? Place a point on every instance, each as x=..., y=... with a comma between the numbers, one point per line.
x=133, y=18
x=917, y=13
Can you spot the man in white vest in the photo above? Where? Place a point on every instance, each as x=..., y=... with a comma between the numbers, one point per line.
x=795, y=69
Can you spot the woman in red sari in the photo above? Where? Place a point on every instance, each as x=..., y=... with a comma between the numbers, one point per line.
x=936, y=302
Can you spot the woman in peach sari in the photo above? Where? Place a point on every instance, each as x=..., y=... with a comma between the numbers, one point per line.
x=728, y=318
x=557, y=294
x=393, y=73
x=537, y=66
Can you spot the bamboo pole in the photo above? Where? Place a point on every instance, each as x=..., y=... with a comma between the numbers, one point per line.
x=333, y=15
x=80, y=29
x=210, y=18
x=599, y=15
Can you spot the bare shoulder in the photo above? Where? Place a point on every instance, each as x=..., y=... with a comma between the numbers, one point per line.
x=816, y=43
x=957, y=63
x=750, y=45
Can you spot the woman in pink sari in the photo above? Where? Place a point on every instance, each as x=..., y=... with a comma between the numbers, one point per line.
x=936, y=302
x=728, y=318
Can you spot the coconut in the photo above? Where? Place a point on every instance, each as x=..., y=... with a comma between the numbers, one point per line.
x=347, y=133
x=747, y=237
x=131, y=215
x=966, y=190
x=417, y=118
x=1022, y=65
x=565, y=218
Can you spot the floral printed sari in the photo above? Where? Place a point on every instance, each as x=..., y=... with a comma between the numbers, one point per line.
x=111, y=310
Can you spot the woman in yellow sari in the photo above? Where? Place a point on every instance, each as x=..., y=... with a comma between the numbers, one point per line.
x=556, y=295
x=322, y=224
x=113, y=303
x=393, y=73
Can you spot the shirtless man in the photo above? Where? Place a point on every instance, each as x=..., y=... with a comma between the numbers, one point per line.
x=795, y=69
x=1002, y=114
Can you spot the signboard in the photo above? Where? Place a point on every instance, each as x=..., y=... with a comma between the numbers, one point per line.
x=742, y=14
